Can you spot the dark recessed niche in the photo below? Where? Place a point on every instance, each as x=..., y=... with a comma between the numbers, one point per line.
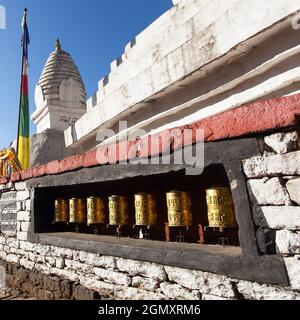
x=159, y=185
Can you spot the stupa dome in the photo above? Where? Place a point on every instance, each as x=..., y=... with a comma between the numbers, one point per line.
x=60, y=82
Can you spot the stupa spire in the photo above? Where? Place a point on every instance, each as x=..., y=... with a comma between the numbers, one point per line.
x=58, y=45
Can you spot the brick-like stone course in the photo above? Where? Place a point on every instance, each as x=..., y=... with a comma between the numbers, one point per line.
x=79, y=275
x=273, y=184
x=35, y=284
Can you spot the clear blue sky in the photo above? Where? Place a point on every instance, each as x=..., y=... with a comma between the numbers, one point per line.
x=95, y=32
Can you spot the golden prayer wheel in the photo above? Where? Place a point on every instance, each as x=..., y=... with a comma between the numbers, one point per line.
x=145, y=210
x=61, y=214
x=179, y=209
x=96, y=211
x=78, y=211
x=118, y=211
x=220, y=208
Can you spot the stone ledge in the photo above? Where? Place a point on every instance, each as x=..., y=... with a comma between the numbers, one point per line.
x=216, y=259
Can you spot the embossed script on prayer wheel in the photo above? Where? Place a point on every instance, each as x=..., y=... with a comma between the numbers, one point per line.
x=220, y=208
x=61, y=214
x=77, y=211
x=145, y=210
x=118, y=211
x=96, y=211
x=179, y=209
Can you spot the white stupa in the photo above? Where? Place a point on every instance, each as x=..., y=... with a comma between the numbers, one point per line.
x=60, y=94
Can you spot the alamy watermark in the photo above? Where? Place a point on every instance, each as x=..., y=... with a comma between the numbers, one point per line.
x=2, y=18
x=176, y=146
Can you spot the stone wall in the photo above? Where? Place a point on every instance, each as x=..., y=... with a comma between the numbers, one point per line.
x=117, y=278
x=273, y=182
x=34, y=284
x=274, y=189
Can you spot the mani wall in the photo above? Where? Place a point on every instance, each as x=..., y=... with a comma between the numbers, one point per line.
x=273, y=179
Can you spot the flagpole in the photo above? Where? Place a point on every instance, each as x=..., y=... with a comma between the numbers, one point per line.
x=20, y=98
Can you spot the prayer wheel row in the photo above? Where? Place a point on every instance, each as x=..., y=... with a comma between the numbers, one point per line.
x=93, y=210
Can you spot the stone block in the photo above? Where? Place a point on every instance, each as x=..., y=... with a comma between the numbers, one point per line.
x=283, y=165
x=20, y=186
x=23, y=274
x=66, y=289
x=27, y=246
x=13, y=243
x=12, y=269
x=283, y=143
x=28, y=205
x=25, y=226
x=288, y=242
x=51, y=283
x=268, y=192
x=112, y=276
x=207, y=283
x=293, y=188
x=20, y=206
x=136, y=268
x=293, y=270
x=23, y=195
x=42, y=268
x=78, y=266
x=86, y=257
x=63, y=273
x=82, y=294
x=22, y=236
x=43, y=249
x=106, y=262
x=60, y=263
x=254, y=167
x=62, y=252
x=29, y=265
x=23, y=216
x=36, y=279
x=105, y=289
x=32, y=257
x=256, y=291
x=176, y=292
x=12, y=258
x=145, y=283
x=277, y=217
x=50, y=261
